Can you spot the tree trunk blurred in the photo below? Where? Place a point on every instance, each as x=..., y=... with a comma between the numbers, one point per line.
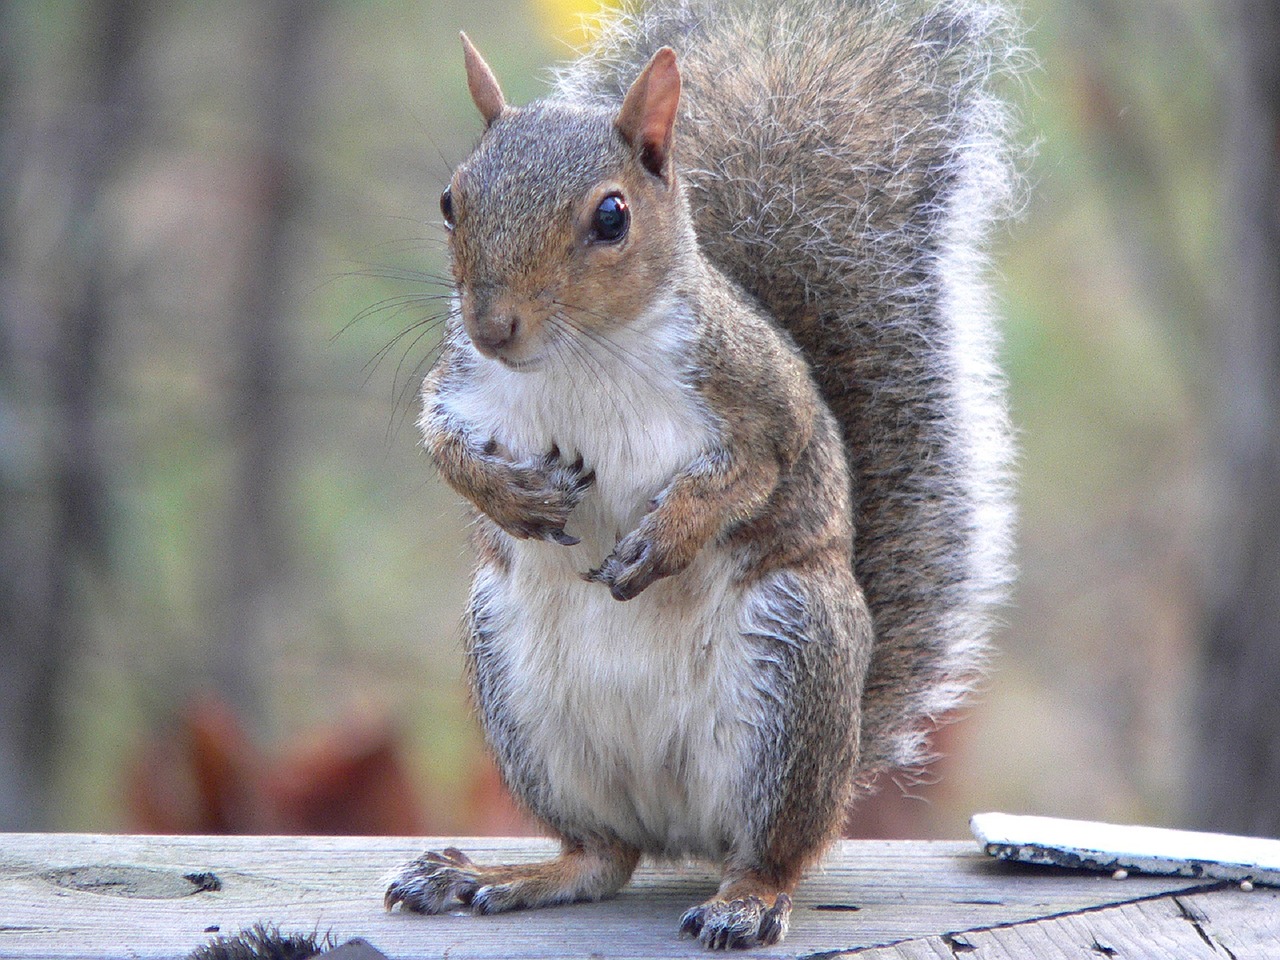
x=256, y=571
x=1237, y=770
x=53, y=535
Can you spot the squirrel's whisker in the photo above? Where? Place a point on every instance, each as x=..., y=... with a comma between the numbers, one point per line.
x=640, y=364
x=587, y=359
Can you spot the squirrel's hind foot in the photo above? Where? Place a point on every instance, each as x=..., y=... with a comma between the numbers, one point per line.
x=434, y=881
x=741, y=922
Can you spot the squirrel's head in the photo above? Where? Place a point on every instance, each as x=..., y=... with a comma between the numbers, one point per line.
x=567, y=220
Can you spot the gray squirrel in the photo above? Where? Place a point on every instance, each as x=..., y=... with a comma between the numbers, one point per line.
x=719, y=384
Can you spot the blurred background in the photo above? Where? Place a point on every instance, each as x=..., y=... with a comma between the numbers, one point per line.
x=230, y=583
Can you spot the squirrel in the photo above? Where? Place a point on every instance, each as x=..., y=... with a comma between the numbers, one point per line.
x=718, y=382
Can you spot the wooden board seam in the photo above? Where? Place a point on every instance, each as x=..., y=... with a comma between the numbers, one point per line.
x=1196, y=919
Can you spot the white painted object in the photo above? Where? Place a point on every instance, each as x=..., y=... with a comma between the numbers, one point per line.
x=1111, y=847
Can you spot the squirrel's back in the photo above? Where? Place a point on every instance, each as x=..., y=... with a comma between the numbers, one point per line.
x=844, y=161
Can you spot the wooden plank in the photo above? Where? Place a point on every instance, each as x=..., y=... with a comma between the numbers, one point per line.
x=94, y=896
x=1226, y=924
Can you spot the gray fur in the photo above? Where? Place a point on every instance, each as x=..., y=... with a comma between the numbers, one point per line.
x=809, y=672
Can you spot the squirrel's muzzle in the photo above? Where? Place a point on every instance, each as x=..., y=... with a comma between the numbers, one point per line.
x=493, y=332
x=492, y=322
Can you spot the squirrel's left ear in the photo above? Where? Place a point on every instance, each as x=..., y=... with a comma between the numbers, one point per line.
x=648, y=113
x=485, y=92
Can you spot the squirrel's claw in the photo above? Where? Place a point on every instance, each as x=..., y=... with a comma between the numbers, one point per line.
x=432, y=881
x=641, y=558
x=736, y=924
x=630, y=569
x=533, y=499
x=546, y=530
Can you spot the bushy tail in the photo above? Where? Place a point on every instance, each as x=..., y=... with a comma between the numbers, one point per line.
x=844, y=162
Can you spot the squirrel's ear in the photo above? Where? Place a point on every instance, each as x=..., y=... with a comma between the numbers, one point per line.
x=483, y=85
x=648, y=112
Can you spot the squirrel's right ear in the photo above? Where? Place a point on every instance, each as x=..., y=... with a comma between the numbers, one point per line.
x=485, y=92
x=648, y=113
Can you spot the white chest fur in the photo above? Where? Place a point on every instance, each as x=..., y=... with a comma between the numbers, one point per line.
x=634, y=711
x=619, y=399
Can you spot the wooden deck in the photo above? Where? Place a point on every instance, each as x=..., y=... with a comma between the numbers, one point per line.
x=90, y=896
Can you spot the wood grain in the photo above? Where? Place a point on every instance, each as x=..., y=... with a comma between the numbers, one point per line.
x=1218, y=925
x=92, y=896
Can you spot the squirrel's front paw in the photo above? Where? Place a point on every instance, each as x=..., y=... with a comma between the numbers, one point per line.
x=433, y=881
x=637, y=561
x=738, y=923
x=533, y=499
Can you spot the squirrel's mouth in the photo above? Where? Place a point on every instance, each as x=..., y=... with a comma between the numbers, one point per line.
x=520, y=366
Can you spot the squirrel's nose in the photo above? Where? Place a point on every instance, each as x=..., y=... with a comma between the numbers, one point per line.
x=494, y=332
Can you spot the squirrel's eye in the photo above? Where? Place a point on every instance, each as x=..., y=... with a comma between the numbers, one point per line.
x=446, y=207
x=609, y=225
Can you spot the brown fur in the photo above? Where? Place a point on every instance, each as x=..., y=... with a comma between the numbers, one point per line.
x=579, y=873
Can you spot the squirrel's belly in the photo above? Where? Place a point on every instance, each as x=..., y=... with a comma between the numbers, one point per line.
x=635, y=718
